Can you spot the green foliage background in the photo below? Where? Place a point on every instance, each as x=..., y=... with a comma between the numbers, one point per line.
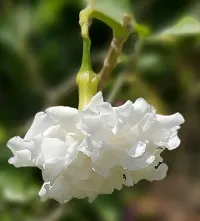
x=40, y=54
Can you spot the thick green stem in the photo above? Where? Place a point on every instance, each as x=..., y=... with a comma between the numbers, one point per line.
x=86, y=79
x=86, y=60
x=87, y=87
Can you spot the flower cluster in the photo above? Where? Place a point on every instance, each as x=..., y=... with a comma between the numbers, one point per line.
x=96, y=150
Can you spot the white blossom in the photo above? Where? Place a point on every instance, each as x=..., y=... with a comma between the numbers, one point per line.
x=96, y=150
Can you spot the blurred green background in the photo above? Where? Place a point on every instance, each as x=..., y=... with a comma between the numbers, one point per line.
x=40, y=54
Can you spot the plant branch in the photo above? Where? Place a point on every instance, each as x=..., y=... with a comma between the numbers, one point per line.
x=110, y=62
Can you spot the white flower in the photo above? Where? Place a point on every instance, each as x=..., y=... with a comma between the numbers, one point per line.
x=96, y=150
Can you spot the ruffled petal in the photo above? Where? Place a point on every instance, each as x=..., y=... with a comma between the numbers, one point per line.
x=53, y=148
x=60, y=190
x=21, y=152
x=64, y=114
x=95, y=102
x=41, y=123
x=170, y=121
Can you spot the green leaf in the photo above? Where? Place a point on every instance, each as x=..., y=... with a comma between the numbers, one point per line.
x=17, y=185
x=186, y=26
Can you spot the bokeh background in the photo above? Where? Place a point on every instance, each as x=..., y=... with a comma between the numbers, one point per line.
x=40, y=54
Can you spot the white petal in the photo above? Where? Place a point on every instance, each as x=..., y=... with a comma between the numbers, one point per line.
x=124, y=111
x=60, y=191
x=66, y=114
x=171, y=120
x=55, y=132
x=141, y=106
x=174, y=141
x=21, y=152
x=43, y=191
x=114, y=181
x=133, y=164
x=128, y=179
x=95, y=101
x=138, y=150
x=161, y=172
x=80, y=171
x=86, y=147
x=41, y=123
x=92, y=123
x=22, y=158
x=17, y=143
x=92, y=184
x=53, y=148
x=131, y=113
x=53, y=169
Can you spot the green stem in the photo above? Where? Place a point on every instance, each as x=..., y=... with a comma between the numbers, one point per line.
x=86, y=79
x=86, y=59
